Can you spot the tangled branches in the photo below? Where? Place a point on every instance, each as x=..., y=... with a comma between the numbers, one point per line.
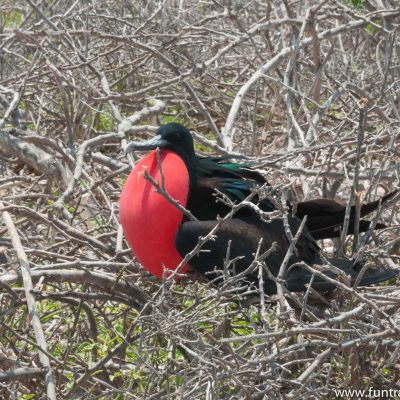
x=309, y=90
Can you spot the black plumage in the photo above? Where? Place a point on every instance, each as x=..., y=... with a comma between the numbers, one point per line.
x=244, y=232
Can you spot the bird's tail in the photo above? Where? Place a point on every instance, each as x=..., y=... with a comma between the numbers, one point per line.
x=370, y=276
x=298, y=277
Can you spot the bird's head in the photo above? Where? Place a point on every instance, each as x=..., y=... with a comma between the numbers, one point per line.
x=172, y=136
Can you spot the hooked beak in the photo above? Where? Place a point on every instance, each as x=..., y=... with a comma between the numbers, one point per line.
x=151, y=144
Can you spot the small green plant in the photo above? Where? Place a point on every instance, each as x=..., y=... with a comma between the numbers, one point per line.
x=105, y=121
x=28, y=396
x=357, y=4
x=371, y=30
x=12, y=19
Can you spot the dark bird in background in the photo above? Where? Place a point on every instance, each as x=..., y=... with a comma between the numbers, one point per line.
x=160, y=234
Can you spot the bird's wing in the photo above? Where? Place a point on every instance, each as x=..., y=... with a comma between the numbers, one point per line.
x=327, y=207
x=222, y=167
x=238, y=240
x=319, y=207
x=241, y=239
x=326, y=217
